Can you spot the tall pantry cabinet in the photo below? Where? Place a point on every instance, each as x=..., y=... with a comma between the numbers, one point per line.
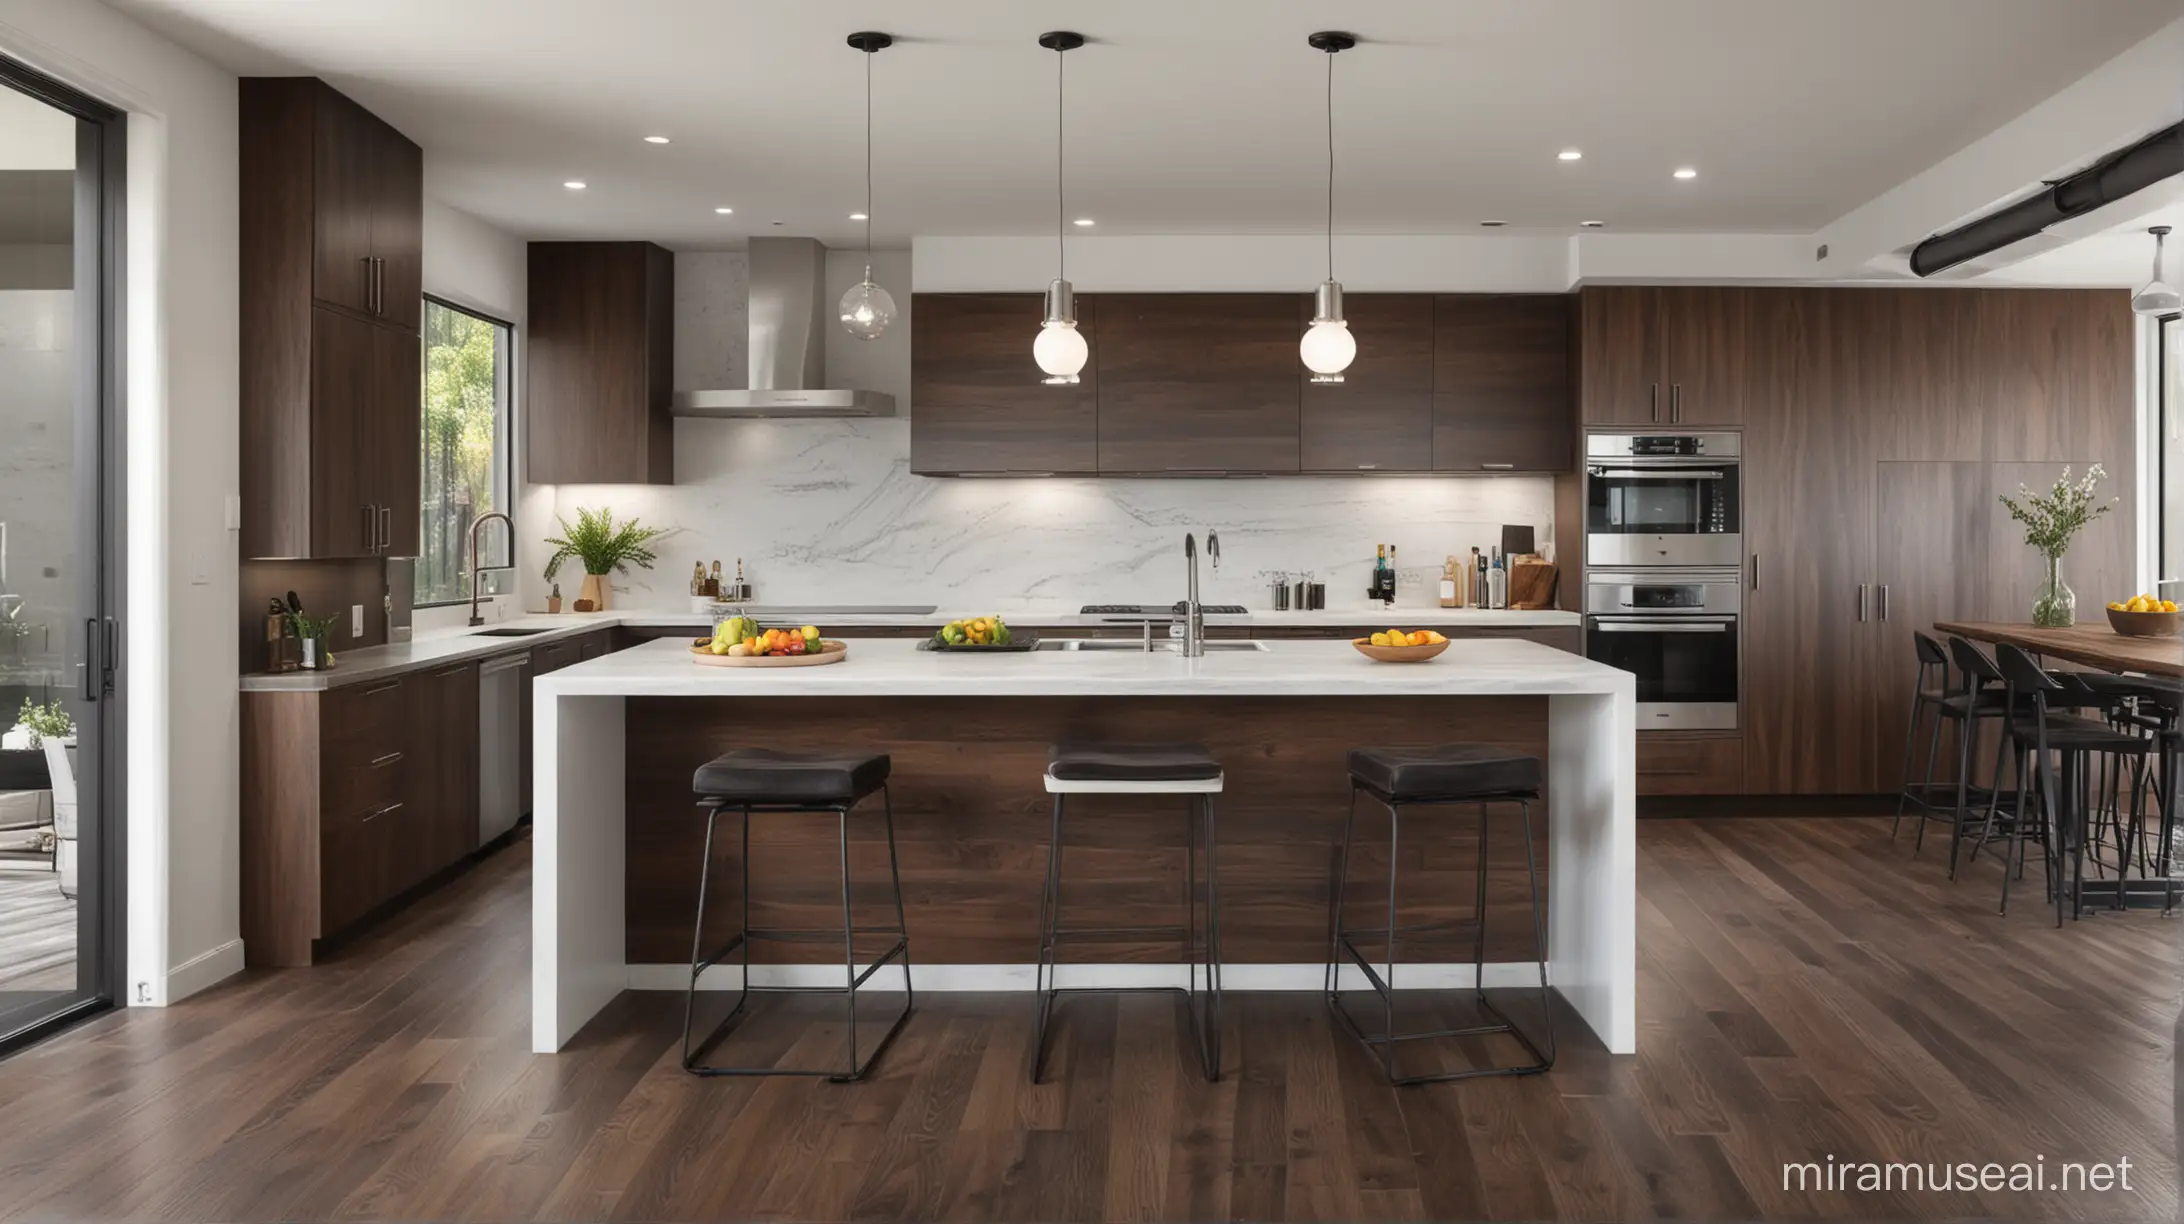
x=332, y=297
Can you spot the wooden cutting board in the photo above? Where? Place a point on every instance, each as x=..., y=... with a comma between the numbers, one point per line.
x=1532, y=586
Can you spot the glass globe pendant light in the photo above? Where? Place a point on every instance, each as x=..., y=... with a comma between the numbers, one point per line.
x=1060, y=349
x=867, y=309
x=1328, y=348
x=2157, y=298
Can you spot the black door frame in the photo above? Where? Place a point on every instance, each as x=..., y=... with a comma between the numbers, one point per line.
x=102, y=882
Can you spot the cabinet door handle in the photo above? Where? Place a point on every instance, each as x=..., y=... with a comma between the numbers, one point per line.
x=366, y=260
x=386, y=528
x=456, y=670
x=1675, y=404
x=1656, y=403
x=389, y=686
x=371, y=530
x=1884, y=601
x=1755, y=573
x=1865, y=601
x=385, y=759
x=382, y=811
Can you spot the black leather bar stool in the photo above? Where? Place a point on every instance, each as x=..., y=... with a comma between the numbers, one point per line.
x=1927, y=693
x=1980, y=696
x=1444, y=774
x=805, y=784
x=1138, y=769
x=2064, y=785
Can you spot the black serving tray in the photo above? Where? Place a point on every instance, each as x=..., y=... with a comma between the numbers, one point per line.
x=1018, y=643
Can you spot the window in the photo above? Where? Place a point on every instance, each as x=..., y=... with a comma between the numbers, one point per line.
x=464, y=449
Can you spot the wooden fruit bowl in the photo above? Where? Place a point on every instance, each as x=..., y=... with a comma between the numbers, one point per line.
x=1397, y=654
x=2145, y=624
x=831, y=650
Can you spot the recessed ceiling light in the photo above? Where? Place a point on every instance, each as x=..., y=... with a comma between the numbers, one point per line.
x=1571, y=154
x=1686, y=172
x=1593, y=224
x=859, y=217
x=1492, y=224
x=724, y=211
x=1084, y=221
x=574, y=184
x=655, y=140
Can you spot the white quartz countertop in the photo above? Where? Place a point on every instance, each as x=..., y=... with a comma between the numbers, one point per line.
x=460, y=645
x=897, y=668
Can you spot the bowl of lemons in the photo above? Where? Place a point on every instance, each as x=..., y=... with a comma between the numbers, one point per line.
x=2144, y=616
x=1401, y=646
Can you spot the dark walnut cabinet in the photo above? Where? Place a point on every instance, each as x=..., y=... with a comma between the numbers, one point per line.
x=1502, y=399
x=600, y=372
x=1663, y=356
x=981, y=404
x=332, y=259
x=1379, y=418
x=1189, y=384
x=1199, y=382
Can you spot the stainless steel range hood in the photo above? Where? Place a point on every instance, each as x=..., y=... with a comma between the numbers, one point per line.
x=790, y=324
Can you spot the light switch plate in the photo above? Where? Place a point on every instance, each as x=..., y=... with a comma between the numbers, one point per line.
x=356, y=620
x=234, y=512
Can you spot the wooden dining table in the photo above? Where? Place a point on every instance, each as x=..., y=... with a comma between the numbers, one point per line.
x=2090, y=645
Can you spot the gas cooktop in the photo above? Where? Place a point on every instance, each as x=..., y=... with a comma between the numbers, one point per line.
x=1178, y=608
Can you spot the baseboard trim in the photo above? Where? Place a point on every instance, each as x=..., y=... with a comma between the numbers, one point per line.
x=942, y=978
x=205, y=969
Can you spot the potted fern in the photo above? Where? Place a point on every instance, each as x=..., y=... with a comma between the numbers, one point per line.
x=604, y=547
x=52, y=729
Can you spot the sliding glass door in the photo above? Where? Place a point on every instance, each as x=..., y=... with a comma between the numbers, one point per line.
x=60, y=169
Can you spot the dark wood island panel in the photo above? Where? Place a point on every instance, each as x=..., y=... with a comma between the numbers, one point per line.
x=971, y=821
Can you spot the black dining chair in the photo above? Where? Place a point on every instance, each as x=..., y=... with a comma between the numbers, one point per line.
x=1928, y=691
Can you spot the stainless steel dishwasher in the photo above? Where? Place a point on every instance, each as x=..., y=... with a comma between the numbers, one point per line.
x=500, y=744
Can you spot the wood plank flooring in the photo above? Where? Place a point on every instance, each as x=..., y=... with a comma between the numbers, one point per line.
x=37, y=930
x=1806, y=989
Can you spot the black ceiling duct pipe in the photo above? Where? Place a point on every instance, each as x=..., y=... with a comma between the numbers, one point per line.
x=2120, y=174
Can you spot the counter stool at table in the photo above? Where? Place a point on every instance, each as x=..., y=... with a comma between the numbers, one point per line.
x=1138, y=769
x=1928, y=692
x=804, y=784
x=1437, y=776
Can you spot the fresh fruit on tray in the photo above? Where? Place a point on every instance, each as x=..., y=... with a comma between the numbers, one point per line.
x=2143, y=603
x=978, y=631
x=1416, y=637
x=740, y=636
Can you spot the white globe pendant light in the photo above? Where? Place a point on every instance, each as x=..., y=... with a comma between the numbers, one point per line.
x=1328, y=348
x=2157, y=298
x=1060, y=349
x=867, y=309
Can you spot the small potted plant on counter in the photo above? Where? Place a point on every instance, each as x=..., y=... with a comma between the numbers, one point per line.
x=311, y=631
x=2052, y=518
x=605, y=548
x=53, y=730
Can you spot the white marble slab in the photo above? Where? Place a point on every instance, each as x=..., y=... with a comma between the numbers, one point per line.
x=579, y=830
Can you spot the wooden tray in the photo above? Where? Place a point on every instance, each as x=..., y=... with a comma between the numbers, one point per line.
x=1397, y=654
x=831, y=650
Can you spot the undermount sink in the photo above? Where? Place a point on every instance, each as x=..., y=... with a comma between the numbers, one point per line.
x=1125, y=646
x=506, y=632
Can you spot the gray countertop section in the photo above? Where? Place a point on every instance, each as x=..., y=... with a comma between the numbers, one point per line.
x=464, y=645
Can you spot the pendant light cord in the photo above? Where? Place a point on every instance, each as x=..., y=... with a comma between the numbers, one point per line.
x=868, y=160
x=1330, y=165
x=1061, y=208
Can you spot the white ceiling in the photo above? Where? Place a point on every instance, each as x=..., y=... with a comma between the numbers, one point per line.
x=34, y=136
x=1201, y=116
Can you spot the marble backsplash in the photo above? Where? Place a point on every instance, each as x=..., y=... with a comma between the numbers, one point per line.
x=828, y=512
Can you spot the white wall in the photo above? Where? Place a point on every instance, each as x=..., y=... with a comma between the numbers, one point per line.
x=179, y=666
x=37, y=265
x=828, y=511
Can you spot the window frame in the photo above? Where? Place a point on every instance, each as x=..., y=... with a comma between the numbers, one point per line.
x=2168, y=330
x=504, y=445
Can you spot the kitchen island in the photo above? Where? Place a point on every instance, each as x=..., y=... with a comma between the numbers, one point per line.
x=617, y=839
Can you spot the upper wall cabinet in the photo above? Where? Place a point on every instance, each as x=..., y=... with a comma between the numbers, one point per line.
x=1501, y=383
x=332, y=225
x=979, y=402
x=601, y=368
x=1379, y=418
x=1663, y=356
x=1199, y=382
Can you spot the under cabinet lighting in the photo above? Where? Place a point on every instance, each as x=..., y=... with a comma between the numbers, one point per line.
x=655, y=140
x=1571, y=155
x=574, y=184
x=1686, y=172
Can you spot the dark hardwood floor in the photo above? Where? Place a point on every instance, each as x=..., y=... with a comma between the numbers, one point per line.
x=1806, y=989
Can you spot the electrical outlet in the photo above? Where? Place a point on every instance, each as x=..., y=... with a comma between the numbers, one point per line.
x=356, y=620
x=200, y=567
